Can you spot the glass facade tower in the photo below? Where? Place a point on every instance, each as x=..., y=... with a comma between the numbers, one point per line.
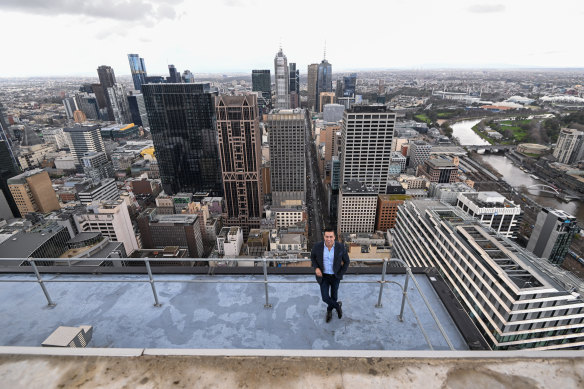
x=138, y=70
x=183, y=126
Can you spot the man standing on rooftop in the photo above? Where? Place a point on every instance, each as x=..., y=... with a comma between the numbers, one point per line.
x=330, y=261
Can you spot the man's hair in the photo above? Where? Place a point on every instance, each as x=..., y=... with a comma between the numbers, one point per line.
x=329, y=229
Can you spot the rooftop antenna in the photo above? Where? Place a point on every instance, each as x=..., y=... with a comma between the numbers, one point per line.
x=280, y=43
x=325, y=50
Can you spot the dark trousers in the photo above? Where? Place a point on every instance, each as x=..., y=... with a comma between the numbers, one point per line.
x=330, y=284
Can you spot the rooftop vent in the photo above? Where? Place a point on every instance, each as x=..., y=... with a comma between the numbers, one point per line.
x=69, y=337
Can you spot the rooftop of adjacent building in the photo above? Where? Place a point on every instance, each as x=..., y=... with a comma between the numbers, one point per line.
x=81, y=128
x=559, y=213
x=355, y=187
x=23, y=244
x=489, y=200
x=373, y=108
x=441, y=164
x=21, y=178
x=521, y=267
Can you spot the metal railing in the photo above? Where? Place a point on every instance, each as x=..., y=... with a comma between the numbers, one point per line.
x=264, y=261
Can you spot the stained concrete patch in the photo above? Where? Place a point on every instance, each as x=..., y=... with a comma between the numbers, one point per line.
x=18, y=371
x=464, y=378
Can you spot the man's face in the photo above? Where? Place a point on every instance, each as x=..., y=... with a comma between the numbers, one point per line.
x=329, y=238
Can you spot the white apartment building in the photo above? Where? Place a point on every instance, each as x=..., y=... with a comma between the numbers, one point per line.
x=570, y=146
x=285, y=217
x=515, y=299
x=367, y=134
x=493, y=210
x=357, y=209
x=230, y=241
x=112, y=219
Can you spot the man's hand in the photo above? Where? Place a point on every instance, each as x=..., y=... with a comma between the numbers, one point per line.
x=318, y=272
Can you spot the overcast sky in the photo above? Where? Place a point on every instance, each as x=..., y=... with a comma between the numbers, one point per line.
x=74, y=37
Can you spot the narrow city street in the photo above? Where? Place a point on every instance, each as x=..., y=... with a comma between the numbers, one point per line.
x=316, y=204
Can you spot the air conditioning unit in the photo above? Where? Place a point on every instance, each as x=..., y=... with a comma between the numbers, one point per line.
x=69, y=337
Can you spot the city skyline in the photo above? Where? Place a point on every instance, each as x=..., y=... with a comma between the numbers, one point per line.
x=417, y=35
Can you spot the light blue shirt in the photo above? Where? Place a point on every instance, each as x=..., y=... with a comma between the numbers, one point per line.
x=328, y=259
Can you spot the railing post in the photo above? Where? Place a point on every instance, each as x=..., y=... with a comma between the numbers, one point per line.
x=156, y=303
x=382, y=283
x=41, y=283
x=405, y=295
x=267, y=304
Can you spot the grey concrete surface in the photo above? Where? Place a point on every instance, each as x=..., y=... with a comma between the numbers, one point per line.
x=220, y=315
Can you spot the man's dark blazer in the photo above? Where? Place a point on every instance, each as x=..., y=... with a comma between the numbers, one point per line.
x=340, y=261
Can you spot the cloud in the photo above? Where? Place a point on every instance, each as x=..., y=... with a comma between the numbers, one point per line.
x=126, y=10
x=486, y=8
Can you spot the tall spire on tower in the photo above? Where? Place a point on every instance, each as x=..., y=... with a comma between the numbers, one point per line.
x=325, y=50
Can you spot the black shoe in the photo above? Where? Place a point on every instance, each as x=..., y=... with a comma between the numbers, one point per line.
x=329, y=316
x=340, y=310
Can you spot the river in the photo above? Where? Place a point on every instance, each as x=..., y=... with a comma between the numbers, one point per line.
x=512, y=174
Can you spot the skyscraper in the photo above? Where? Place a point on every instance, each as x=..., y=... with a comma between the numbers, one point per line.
x=83, y=140
x=33, y=192
x=312, y=75
x=570, y=146
x=107, y=79
x=282, y=81
x=324, y=79
x=118, y=99
x=294, y=78
x=287, y=136
x=183, y=127
x=240, y=152
x=367, y=134
x=261, y=82
x=552, y=235
x=349, y=85
x=138, y=70
x=174, y=75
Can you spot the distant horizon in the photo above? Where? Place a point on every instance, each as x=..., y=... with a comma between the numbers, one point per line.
x=364, y=70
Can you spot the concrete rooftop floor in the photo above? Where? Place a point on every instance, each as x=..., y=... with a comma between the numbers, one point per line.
x=221, y=315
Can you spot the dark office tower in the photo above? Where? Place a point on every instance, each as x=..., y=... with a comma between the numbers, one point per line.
x=138, y=110
x=312, y=75
x=107, y=79
x=261, y=82
x=294, y=78
x=349, y=85
x=174, y=75
x=240, y=152
x=138, y=70
x=106, y=75
x=183, y=127
x=188, y=77
x=324, y=79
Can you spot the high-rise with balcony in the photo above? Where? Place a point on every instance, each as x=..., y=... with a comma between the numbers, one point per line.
x=183, y=126
x=240, y=154
x=138, y=70
x=515, y=299
x=570, y=146
x=552, y=235
x=287, y=136
x=367, y=134
x=282, y=98
x=84, y=139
